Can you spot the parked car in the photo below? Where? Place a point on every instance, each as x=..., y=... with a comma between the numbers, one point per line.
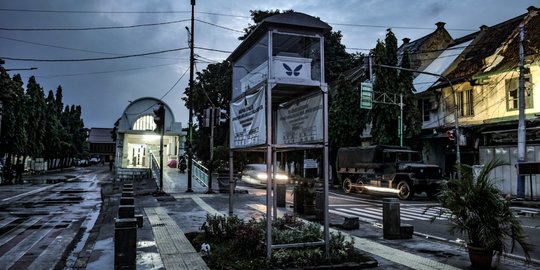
x=94, y=160
x=83, y=163
x=256, y=174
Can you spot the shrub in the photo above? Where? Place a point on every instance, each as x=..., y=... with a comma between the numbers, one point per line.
x=241, y=245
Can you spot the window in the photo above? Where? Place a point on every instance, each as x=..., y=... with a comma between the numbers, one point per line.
x=512, y=91
x=424, y=107
x=145, y=122
x=465, y=103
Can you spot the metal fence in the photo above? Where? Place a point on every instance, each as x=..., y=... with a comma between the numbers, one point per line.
x=154, y=167
x=200, y=173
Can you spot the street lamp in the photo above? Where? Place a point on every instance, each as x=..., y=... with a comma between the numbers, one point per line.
x=12, y=69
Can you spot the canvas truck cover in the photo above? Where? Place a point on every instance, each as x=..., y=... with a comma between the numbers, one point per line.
x=351, y=157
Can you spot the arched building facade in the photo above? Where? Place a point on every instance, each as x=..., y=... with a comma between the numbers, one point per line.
x=136, y=139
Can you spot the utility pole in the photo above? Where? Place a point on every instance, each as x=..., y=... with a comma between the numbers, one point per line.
x=522, y=153
x=190, y=101
x=212, y=121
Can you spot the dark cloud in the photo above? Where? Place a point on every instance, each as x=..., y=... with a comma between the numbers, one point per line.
x=103, y=88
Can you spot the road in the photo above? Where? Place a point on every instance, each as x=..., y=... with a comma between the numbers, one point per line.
x=32, y=217
x=369, y=210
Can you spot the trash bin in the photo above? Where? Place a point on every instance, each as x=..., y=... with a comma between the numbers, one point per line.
x=223, y=179
x=280, y=195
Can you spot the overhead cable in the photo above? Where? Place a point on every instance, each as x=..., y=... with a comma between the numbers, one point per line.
x=91, y=59
x=92, y=28
x=119, y=12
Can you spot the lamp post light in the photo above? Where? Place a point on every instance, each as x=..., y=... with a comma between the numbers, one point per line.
x=13, y=69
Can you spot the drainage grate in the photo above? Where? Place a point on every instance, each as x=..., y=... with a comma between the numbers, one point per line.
x=158, y=225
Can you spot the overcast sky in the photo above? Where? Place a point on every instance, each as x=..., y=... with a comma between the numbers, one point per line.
x=104, y=88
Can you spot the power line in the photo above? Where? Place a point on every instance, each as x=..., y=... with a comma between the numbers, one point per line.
x=119, y=12
x=91, y=59
x=70, y=48
x=102, y=72
x=399, y=27
x=219, y=26
x=209, y=49
x=92, y=28
x=174, y=85
x=164, y=95
x=215, y=14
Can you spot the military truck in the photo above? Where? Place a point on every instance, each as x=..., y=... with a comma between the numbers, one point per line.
x=387, y=168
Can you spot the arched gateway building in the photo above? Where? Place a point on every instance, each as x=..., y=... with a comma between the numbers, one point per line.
x=137, y=141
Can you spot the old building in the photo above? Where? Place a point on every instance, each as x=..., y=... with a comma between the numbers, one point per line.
x=101, y=143
x=482, y=71
x=138, y=143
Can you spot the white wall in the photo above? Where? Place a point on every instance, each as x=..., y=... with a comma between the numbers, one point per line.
x=506, y=176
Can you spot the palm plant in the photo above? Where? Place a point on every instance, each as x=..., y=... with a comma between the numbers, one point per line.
x=477, y=210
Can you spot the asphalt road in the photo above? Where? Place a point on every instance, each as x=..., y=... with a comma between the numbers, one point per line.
x=32, y=216
x=369, y=209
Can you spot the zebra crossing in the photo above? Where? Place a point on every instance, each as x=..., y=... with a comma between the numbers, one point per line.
x=373, y=214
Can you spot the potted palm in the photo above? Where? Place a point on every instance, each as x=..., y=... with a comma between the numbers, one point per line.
x=477, y=210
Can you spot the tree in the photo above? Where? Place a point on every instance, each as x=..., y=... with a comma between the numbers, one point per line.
x=35, y=124
x=384, y=117
x=52, y=132
x=13, y=137
x=212, y=86
x=257, y=16
x=411, y=114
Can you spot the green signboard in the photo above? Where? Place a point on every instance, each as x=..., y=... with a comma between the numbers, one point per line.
x=366, y=95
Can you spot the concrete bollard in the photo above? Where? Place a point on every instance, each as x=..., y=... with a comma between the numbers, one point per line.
x=140, y=220
x=125, y=243
x=351, y=223
x=280, y=195
x=391, y=219
x=128, y=185
x=319, y=205
x=406, y=231
x=128, y=194
x=126, y=211
x=127, y=201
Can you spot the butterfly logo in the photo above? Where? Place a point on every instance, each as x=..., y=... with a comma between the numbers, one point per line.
x=289, y=71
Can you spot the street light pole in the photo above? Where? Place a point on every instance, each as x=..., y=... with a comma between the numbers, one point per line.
x=190, y=101
x=12, y=69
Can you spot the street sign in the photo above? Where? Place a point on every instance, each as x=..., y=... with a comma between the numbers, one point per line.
x=366, y=95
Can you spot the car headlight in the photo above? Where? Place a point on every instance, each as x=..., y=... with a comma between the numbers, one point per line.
x=261, y=176
x=281, y=177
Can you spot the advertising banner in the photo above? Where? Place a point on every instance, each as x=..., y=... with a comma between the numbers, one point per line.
x=248, y=120
x=301, y=122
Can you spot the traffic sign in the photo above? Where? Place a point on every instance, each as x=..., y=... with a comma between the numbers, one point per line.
x=366, y=95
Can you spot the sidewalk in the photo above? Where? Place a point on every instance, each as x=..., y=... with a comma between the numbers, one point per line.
x=161, y=243
x=188, y=212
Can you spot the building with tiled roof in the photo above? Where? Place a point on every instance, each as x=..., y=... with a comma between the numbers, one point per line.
x=484, y=74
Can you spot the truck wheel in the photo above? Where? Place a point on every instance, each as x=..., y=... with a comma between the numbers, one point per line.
x=347, y=185
x=405, y=191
